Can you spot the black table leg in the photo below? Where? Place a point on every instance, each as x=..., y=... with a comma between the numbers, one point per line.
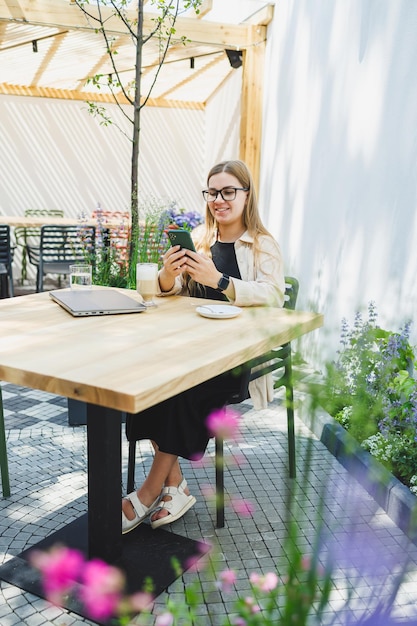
x=104, y=483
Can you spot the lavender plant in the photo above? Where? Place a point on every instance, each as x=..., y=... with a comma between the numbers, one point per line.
x=181, y=218
x=372, y=392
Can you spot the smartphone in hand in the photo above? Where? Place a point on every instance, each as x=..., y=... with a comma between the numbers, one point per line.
x=181, y=237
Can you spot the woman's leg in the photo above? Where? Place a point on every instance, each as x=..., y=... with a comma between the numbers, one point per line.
x=174, y=479
x=175, y=475
x=161, y=469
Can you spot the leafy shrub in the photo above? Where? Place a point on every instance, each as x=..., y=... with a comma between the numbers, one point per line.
x=372, y=392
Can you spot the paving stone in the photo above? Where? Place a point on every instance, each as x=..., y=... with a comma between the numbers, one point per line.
x=47, y=462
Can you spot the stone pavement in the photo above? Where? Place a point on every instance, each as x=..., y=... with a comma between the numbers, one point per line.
x=47, y=461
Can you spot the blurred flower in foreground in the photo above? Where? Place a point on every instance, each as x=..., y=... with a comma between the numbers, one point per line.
x=226, y=579
x=224, y=423
x=165, y=619
x=199, y=561
x=60, y=569
x=244, y=508
x=101, y=589
x=99, y=586
x=264, y=583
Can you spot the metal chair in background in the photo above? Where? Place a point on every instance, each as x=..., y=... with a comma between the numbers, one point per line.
x=6, y=262
x=60, y=247
x=25, y=236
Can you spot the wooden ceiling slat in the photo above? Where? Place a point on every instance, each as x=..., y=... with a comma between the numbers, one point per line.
x=192, y=77
x=49, y=57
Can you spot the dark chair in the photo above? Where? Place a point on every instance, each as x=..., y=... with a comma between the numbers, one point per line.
x=25, y=236
x=60, y=247
x=6, y=262
x=278, y=359
x=4, y=466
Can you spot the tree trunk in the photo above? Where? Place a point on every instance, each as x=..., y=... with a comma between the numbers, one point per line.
x=134, y=201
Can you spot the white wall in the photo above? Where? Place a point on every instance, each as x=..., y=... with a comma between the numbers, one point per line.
x=338, y=175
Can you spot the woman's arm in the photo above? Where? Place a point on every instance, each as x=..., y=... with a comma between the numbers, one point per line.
x=263, y=284
x=169, y=276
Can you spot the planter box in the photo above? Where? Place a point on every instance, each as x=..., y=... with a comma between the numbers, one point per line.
x=395, y=498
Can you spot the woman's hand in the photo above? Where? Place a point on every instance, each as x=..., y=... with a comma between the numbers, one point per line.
x=174, y=261
x=202, y=269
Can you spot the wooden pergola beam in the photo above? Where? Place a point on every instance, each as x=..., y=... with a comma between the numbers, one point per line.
x=84, y=96
x=62, y=14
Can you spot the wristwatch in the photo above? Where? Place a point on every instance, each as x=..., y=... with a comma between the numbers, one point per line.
x=223, y=283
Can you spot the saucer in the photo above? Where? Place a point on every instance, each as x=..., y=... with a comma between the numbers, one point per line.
x=219, y=311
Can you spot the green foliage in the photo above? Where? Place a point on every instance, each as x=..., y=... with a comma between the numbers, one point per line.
x=371, y=391
x=396, y=452
x=111, y=266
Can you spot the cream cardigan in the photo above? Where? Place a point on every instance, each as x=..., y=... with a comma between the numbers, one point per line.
x=262, y=283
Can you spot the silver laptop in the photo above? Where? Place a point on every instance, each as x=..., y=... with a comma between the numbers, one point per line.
x=96, y=302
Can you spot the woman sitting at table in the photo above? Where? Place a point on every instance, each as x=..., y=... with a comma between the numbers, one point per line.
x=238, y=261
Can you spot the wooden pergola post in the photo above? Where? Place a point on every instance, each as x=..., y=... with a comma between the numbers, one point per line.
x=253, y=59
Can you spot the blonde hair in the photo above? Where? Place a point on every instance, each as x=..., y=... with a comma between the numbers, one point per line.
x=251, y=218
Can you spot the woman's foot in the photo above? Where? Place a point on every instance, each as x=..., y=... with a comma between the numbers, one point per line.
x=134, y=512
x=174, y=503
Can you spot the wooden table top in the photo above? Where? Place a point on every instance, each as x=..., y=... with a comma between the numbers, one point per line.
x=130, y=362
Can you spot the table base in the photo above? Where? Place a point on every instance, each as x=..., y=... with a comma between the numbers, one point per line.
x=146, y=554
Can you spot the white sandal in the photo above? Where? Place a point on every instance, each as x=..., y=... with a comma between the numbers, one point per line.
x=179, y=504
x=141, y=512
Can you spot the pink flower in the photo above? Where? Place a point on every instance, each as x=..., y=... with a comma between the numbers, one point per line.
x=60, y=568
x=224, y=423
x=200, y=462
x=227, y=579
x=208, y=492
x=140, y=601
x=265, y=583
x=251, y=605
x=101, y=591
x=199, y=562
x=306, y=563
x=165, y=619
x=237, y=459
x=245, y=508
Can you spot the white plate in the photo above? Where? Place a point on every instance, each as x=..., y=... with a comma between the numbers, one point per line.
x=219, y=311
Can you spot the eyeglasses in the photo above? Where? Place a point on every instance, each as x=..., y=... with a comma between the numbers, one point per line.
x=227, y=193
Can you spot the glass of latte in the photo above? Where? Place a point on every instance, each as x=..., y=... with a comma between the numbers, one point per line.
x=147, y=282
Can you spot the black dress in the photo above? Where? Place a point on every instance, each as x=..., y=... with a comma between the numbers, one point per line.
x=178, y=425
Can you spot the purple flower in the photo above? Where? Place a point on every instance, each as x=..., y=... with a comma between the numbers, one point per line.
x=182, y=218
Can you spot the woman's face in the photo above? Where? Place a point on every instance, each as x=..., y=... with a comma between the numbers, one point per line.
x=227, y=212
